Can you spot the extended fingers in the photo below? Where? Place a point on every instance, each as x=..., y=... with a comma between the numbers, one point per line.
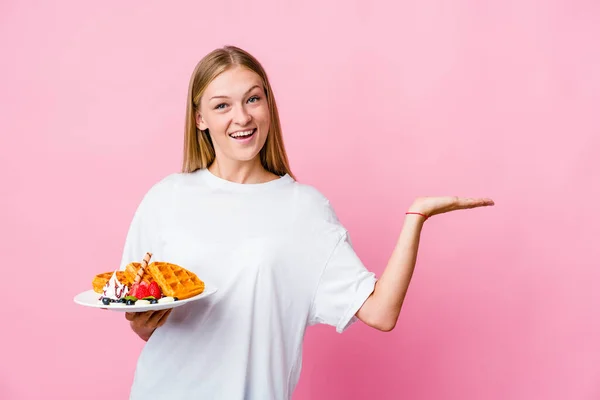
x=469, y=202
x=480, y=202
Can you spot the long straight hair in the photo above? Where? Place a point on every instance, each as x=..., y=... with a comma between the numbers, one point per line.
x=198, y=149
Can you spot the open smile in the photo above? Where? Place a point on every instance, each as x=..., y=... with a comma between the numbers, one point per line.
x=243, y=135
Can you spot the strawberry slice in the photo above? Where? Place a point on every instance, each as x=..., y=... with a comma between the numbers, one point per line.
x=154, y=290
x=134, y=289
x=142, y=291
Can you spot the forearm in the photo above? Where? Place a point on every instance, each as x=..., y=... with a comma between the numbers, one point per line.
x=382, y=308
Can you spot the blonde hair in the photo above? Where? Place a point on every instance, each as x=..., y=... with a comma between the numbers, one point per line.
x=198, y=149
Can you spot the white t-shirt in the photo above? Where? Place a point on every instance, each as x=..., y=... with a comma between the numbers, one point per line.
x=281, y=261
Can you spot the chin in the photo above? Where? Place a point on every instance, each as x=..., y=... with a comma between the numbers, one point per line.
x=246, y=155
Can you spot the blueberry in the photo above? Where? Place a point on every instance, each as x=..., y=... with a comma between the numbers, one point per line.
x=121, y=300
x=175, y=299
x=130, y=302
x=105, y=301
x=153, y=301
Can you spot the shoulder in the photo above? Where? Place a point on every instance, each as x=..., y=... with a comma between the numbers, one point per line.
x=314, y=204
x=164, y=185
x=162, y=191
x=309, y=194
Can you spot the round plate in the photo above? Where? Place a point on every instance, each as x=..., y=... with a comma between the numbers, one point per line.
x=89, y=298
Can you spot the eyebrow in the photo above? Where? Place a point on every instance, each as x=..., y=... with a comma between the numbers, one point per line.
x=226, y=97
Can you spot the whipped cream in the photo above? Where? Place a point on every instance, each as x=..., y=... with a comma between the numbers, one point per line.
x=114, y=289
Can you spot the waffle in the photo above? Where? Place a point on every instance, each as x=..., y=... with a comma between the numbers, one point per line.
x=101, y=279
x=131, y=271
x=174, y=280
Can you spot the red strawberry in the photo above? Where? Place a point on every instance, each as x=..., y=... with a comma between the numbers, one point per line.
x=134, y=289
x=154, y=290
x=141, y=292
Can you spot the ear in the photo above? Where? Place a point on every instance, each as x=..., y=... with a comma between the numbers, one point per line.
x=200, y=123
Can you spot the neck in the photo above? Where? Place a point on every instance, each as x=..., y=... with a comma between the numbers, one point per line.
x=241, y=171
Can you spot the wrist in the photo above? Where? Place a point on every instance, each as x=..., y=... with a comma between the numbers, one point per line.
x=417, y=214
x=143, y=333
x=418, y=209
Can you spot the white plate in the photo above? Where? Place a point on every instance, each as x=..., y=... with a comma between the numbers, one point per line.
x=89, y=298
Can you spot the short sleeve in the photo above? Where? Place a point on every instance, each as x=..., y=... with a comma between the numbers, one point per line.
x=344, y=286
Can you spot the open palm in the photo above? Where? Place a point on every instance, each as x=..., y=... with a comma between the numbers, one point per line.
x=431, y=206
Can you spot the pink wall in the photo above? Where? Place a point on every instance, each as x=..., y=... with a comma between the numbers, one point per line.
x=380, y=103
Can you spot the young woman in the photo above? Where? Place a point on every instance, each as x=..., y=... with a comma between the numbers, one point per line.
x=272, y=246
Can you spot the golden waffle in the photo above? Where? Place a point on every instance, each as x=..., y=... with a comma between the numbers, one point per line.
x=131, y=270
x=101, y=279
x=175, y=281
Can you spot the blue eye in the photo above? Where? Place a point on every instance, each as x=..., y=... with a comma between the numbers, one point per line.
x=218, y=107
x=255, y=98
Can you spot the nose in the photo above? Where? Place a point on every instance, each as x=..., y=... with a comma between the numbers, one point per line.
x=242, y=117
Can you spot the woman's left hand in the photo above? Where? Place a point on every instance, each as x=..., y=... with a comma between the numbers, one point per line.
x=431, y=206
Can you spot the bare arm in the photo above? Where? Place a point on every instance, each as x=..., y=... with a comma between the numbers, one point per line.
x=382, y=308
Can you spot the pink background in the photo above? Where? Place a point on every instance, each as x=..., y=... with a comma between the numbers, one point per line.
x=380, y=103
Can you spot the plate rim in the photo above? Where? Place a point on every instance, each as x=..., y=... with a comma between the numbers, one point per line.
x=208, y=291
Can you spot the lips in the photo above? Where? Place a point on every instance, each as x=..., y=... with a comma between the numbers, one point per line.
x=241, y=135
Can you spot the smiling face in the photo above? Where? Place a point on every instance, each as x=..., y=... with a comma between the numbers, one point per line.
x=235, y=110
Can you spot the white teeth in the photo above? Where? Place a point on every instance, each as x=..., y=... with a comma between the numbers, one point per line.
x=240, y=134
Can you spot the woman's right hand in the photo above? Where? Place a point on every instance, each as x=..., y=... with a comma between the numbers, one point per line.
x=145, y=323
